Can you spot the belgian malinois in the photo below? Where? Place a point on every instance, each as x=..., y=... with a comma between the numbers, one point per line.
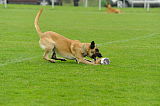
x=112, y=10
x=67, y=48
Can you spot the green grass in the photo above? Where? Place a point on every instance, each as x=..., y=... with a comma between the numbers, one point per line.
x=130, y=40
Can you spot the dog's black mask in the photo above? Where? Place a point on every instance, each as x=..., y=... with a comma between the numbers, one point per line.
x=96, y=54
x=96, y=51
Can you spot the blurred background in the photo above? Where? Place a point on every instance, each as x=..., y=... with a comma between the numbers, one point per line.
x=118, y=3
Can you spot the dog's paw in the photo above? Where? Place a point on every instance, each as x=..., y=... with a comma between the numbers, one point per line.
x=63, y=60
x=52, y=61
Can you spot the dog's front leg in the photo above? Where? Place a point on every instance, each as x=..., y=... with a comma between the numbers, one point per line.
x=79, y=60
x=88, y=60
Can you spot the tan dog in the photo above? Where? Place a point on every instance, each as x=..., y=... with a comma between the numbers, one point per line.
x=112, y=10
x=67, y=48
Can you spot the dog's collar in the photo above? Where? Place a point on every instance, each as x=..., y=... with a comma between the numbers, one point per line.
x=84, y=52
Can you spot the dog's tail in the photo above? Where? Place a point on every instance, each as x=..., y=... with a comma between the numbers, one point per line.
x=36, y=23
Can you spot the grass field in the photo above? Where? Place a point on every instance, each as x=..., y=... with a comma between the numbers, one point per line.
x=131, y=40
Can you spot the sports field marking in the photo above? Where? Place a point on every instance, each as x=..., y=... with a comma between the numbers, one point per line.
x=118, y=41
x=132, y=39
x=17, y=61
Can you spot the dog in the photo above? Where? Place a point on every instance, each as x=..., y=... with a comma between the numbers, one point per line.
x=67, y=48
x=112, y=10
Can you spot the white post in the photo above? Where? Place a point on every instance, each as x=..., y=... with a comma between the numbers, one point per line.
x=52, y=3
x=148, y=6
x=124, y=3
x=132, y=4
x=99, y=4
x=86, y=3
x=145, y=4
x=5, y=3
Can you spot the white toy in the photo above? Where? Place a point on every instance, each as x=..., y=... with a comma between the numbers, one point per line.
x=104, y=61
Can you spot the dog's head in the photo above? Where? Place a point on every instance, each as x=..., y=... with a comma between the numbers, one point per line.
x=108, y=6
x=93, y=51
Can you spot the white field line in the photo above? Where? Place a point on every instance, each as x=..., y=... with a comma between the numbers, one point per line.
x=132, y=39
x=118, y=41
x=17, y=61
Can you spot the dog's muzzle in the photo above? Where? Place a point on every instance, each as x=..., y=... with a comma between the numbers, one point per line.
x=96, y=55
x=99, y=55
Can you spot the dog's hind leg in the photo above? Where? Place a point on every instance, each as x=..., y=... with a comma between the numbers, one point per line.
x=47, y=45
x=55, y=57
x=46, y=54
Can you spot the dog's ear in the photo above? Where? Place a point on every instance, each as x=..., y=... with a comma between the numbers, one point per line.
x=92, y=46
